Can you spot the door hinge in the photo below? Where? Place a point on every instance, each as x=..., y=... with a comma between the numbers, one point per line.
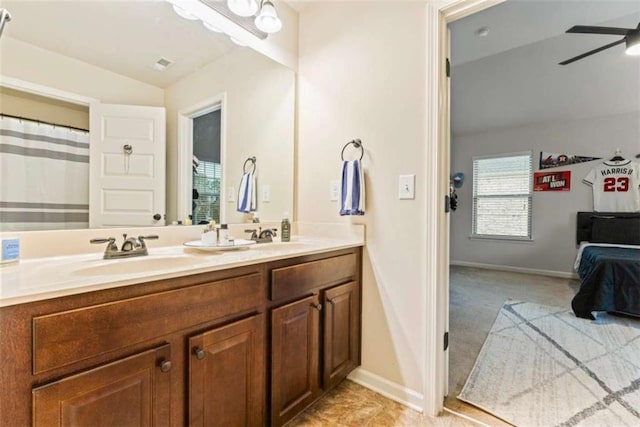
x=447, y=204
x=448, y=68
x=446, y=341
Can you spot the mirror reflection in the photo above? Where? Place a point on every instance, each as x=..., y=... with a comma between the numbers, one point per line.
x=223, y=104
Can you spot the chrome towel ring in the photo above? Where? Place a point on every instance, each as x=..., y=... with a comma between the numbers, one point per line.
x=357, y=144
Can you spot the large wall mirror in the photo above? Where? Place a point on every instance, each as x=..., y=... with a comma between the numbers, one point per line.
x=227, y=110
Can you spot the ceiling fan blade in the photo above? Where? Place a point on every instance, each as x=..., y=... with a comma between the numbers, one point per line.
x=587, y=29
x=591, y=52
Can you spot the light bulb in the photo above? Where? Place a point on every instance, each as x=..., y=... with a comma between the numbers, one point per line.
x=183, y=13
x=243, y=7
x=267, y=20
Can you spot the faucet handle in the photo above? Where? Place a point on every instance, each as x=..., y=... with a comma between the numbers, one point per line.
x=254, y=233
x=103, y=240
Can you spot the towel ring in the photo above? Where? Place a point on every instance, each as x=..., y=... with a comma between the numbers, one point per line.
x=253, y=162
x=356, y=143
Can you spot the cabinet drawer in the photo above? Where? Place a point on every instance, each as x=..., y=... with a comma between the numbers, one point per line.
x=289, y=282
x=64, y=338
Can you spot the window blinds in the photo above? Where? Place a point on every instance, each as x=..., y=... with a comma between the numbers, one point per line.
x=502, y=196
x=206, y=181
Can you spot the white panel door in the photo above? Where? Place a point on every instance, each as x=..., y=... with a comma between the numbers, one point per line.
x=127, y=165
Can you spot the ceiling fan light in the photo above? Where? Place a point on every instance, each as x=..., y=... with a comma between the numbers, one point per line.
x=267, y=20
x=243, y=7
x=183, y=13
x=633, y=44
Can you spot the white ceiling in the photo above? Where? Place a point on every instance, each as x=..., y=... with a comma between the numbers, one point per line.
x=126, y=37
x=512, y=77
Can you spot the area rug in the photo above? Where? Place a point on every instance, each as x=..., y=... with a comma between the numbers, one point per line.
x=542, y=366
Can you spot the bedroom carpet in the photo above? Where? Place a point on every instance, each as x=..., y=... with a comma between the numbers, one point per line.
x=542, y=366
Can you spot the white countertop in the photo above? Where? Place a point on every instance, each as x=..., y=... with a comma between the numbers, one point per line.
x=44, y=278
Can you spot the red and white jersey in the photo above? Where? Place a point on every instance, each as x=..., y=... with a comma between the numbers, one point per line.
x=616, y=186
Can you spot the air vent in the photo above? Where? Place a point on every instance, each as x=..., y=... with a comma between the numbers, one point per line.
x=162, y=64
x=245, y=22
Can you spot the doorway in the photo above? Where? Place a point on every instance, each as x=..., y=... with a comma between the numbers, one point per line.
x=207, y=168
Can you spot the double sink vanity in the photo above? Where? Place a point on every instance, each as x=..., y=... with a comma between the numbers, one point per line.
x=181, y=336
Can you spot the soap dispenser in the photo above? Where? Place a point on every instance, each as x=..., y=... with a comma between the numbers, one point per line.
x=285, y=228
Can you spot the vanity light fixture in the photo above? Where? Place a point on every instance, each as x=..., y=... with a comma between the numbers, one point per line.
x=267, y=20
x=243, y=7
x=633, y=43
x=183, y=13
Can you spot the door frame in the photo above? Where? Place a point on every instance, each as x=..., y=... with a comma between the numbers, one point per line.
x=185, y=151
x=437, y=163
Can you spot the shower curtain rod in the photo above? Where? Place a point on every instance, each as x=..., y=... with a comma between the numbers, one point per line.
x=41, y=122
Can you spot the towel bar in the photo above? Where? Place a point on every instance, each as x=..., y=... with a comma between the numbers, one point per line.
x=356, y=143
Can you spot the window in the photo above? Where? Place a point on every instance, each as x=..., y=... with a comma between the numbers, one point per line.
x=206, y=180
x=502, y=196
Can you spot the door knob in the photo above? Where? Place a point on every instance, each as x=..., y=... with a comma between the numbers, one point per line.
x=157, y=217
x=165, y=365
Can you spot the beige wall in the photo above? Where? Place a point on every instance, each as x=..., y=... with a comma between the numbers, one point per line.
x=362, y=68
x=27, y=62
x=21, y=104
x=260, y=97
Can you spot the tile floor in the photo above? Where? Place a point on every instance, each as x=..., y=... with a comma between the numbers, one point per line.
x=350, y=404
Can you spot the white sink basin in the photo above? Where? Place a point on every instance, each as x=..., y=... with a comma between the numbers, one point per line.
x=134, y=265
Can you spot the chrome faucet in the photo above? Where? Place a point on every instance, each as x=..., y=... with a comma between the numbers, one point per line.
x=132, y=246
x=262, y=236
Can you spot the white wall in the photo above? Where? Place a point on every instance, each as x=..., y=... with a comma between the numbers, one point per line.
x=260, y=122
x=25, y=61
x=554, y=213
x=362, y=68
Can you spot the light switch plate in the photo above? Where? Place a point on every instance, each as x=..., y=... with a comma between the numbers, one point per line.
x=231, y=194
x=334, y=191
x=266, y=193
x=406, y=187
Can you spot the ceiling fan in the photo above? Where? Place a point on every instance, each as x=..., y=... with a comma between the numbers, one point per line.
x=631, y=38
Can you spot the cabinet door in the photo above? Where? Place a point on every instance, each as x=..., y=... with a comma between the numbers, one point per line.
x=341, y=333
x=294, y=358
x=226, y=375
x=135, y=391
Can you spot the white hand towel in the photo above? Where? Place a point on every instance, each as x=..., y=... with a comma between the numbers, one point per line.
x=247, y=193
x=352, y=188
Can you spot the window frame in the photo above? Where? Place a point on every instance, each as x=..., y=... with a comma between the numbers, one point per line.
x=529, y=195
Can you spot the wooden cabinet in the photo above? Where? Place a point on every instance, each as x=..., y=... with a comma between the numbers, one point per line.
x=246, y=346
x=315, y=340
x=341, y=306
x=294, y=358
x=226, y=375
x=134, y=391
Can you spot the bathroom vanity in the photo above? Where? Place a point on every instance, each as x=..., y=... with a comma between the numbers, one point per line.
x=252, y=343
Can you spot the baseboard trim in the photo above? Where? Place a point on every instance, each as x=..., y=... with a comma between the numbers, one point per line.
x=551, y=273
x=389, y=389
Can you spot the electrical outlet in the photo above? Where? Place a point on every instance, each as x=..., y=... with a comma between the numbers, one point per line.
x=231, y=194
x=266, y=193
x=406, y=187
x=334, y=190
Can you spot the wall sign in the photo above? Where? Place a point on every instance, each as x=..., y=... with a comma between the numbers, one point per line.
x=552, y=181
x=556, y=160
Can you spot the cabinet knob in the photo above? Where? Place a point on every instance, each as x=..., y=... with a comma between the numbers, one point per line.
x=317, y=306
x=165, y=365
x=199, y=353
x=330, y=301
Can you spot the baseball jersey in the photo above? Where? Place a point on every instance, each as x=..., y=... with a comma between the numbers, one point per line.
x=616, y=186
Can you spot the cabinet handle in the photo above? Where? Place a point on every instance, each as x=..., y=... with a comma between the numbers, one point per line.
x=199, y=353
x=330, y=301
x=165, y=365
x=317, y=306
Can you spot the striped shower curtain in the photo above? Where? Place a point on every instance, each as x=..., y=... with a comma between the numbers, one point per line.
x=44, y=176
